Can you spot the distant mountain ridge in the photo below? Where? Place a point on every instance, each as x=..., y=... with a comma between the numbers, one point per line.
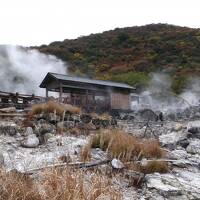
x=130, y=54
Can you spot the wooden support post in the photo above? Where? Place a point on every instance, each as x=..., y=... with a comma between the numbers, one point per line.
x=87, y=100
x=110, y=101
x=47, y=91
x=93, y=96
x=60, y=93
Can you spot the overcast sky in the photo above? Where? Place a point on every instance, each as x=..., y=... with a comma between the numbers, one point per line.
x=36, y=22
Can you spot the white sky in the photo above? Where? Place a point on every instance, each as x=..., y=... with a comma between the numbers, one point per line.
x=36, y=22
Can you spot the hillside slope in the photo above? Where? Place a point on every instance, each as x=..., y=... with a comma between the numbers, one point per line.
x=130, y=54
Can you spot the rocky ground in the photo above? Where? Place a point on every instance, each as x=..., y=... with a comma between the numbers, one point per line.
x=26, y=149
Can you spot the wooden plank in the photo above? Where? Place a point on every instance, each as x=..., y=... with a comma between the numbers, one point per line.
x=120, y=101
x=13, y=114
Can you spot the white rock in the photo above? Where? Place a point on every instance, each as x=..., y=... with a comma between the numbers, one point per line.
x=117, y=164
x=194, y=147
x=144, y=162
x=30, y=142
x=177, y=127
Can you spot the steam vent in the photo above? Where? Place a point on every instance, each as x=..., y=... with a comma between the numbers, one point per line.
x=88, y=93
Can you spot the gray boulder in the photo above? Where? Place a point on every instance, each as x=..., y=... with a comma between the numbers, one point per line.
x=172, y=139
x=183, y=143
x=46, y=128
x=194, y=147
x=68, y=124
x=52, y=118
x=47, y=136
x=28, y=131
x=30, y=142
x=193, y=129
x=7, y=128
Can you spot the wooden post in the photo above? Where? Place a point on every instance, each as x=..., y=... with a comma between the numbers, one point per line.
x=87, y=99
x=60, y=93
x=47, y=91
x=110, y=100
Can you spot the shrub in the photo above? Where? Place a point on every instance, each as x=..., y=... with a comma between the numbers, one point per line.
x=178, y=84
x=131, y=78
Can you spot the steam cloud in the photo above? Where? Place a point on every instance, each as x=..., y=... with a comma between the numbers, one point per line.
x=22, y=70
x=158, y=95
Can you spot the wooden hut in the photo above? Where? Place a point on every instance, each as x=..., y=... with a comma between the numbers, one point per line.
x=88, y=93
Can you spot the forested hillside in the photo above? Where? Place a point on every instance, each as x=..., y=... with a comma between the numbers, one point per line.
x=130, y=54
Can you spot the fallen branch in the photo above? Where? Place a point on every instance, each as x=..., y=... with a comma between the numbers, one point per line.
x=78, y=165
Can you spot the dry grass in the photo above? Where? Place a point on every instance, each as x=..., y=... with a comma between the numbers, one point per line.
x=124, y=146
x=54, y=107
x=155, y=166
x=72, y=109
x=86, y=153
x=103, y=116
x=150, y=167
x=151, y=149
x=28, y=121
x=57, y=184
x=75, y=131
x=17, y=186
x=77, y=185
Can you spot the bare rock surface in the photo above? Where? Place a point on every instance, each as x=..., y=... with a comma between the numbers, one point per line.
x=24, y=159
x=181, y=183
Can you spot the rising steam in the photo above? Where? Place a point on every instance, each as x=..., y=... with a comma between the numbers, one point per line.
x=22, y=70
x=158, y=96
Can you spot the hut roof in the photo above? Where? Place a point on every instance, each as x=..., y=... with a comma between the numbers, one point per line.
x=63, y=78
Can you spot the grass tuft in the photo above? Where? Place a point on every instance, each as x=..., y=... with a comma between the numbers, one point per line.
x=17, y=186
x=124, y=146
x=86, y=153
x=56, y=184
x=54, y=107
x=155, y=166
